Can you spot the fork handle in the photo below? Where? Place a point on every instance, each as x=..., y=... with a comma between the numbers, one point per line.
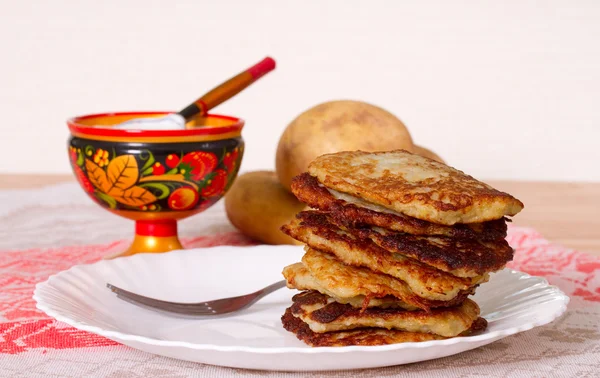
x=271, y=288
x=256, y=296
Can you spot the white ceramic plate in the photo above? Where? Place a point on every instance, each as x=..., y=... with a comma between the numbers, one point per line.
x=511, y=301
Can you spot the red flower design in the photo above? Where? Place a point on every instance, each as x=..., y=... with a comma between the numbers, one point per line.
x=200, y=164
x=172, y=160
x=230, y=160
x=83, y=180
x=158, y=169
x=216, y=186
x=183, y=199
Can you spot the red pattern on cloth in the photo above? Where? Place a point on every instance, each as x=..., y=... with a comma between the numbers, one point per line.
x=23, y=327
x=18, y=337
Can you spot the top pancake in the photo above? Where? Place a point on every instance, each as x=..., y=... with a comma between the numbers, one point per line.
x=413, y=185
x=359, y=213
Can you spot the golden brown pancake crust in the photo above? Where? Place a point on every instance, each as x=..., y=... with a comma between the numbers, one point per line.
x=298, y=277
x=314, y=229
x=308, y=190
x=462, y=257
x=345, y=281
x=413, y=185
x=459, y=257
x=364, y=336
x=323, y=314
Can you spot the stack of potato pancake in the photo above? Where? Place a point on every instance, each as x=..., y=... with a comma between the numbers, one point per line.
x=395, y=244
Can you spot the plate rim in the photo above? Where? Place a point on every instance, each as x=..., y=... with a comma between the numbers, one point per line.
x=40, y=287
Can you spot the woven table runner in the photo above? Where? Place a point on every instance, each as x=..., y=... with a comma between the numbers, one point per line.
x=44, y=231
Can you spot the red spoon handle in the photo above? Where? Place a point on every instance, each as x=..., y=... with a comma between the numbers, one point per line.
x=261, y=68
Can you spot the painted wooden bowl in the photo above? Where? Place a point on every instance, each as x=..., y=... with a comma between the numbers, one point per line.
x=155, y=177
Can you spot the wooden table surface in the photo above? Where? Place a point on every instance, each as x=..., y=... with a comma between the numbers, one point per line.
x=565, y=213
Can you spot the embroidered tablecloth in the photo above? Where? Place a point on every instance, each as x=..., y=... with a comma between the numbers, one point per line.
x=44, y=231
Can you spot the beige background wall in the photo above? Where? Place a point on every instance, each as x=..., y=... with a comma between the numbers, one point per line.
x=501, y=89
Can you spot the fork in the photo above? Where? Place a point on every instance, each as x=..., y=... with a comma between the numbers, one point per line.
x=215, y=307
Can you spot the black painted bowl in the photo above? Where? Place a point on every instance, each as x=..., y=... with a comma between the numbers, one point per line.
x=155, y=177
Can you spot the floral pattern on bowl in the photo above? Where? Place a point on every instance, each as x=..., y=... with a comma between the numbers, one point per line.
x=151, y=182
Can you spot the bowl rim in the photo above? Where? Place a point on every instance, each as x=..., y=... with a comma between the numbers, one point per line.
x=79, y=129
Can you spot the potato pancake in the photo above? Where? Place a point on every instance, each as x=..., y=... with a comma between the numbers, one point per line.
x=413, y=185
x=299, y=278
x=460, y=257
x=339, y=280
x=323, y=315
x=363, y=336
x=356, y=212
x=314, y=229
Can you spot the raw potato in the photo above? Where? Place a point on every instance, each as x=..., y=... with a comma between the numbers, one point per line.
x=258, y=206
x=428, y=153
x=337, y=126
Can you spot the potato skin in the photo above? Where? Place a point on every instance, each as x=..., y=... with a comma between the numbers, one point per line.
x=337, y=126
x=258, y=206
x=419, y=150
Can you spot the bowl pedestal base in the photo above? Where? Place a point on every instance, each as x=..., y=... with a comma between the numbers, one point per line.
x=153, y=236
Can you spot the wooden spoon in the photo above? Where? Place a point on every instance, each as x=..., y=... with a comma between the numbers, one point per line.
x=208, y=101
x=228, y=89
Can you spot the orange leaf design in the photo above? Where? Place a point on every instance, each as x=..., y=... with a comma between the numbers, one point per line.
x=97, y=175
x=134, y=196
x=122, y=173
